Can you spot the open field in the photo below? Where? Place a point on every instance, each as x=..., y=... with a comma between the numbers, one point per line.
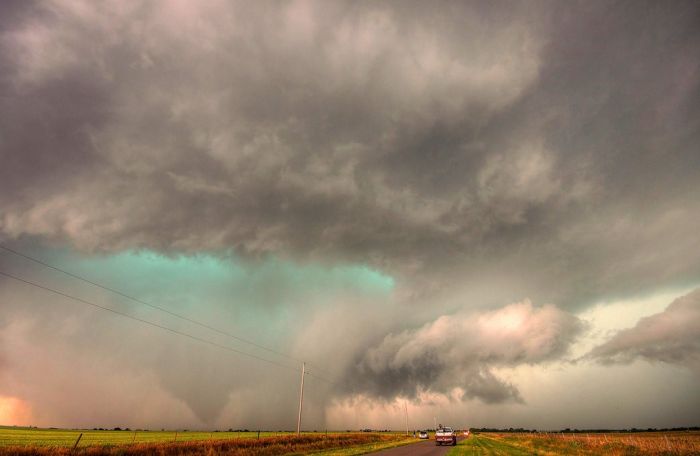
x=642, y=443
x=54, y=441
x=67, y=437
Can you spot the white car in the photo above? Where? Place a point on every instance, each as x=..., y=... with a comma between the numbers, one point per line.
x=423, y=435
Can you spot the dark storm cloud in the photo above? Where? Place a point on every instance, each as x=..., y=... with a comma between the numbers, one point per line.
x=459, y=351
x=672, y=336
x=406, y=136
x=477, y=152
x=418, y=139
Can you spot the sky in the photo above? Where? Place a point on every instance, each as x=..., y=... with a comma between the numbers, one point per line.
x=486, y=213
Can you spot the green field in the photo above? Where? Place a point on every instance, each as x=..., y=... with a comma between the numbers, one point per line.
x=67, y=437
x=50, y=442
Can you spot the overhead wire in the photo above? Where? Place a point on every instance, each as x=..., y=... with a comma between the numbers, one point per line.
x=147, y=322
x=156, y=307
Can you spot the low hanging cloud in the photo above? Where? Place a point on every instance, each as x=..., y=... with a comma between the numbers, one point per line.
x=672, y=337
x=460, y=351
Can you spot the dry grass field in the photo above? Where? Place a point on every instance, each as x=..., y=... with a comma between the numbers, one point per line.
x=641, y=443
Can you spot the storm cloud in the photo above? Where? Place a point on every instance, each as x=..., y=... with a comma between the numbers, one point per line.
x=458, y=351
x=553, y=144
x=672, y=336
x=433, y=165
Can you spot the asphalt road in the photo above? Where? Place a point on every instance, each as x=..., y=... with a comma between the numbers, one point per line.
x=426, y=448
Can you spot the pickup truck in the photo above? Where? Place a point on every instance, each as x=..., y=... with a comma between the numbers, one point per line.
x=445, y=435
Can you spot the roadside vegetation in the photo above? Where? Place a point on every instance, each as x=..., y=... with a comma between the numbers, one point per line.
x=641, y=443
x=382, y=444
x=195, y=443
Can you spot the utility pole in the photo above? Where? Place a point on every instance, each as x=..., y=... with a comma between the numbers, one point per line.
x=435, y=422
x=301, y=397
x=405, y=407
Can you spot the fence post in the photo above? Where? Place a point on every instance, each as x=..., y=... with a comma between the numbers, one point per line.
x=258, y=434
x=77, y=442
x=134, y=439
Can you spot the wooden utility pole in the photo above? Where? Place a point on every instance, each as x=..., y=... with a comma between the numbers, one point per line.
x=301, y=397
x=405, y=406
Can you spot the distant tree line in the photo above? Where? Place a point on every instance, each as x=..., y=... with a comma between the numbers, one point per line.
x=589, y=431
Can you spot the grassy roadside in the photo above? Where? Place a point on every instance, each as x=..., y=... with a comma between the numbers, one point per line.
x=582, y=444
x=480, y=444
x=368, y=448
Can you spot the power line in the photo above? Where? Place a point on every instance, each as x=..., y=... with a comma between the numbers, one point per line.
x=147, y=322
x=153, y=306
x=316, y=376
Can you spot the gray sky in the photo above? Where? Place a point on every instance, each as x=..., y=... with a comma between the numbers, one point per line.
x=489, y=210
